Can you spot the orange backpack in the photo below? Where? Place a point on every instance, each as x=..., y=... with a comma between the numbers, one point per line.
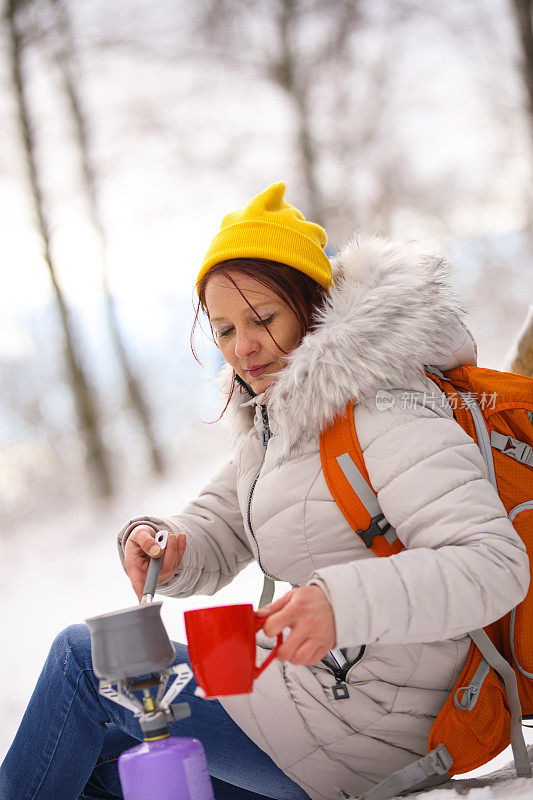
x=481, y=716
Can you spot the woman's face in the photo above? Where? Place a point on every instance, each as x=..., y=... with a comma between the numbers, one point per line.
x=241, y=332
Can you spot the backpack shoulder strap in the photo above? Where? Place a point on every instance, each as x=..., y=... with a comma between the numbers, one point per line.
x=493, y=657
x=347, y=479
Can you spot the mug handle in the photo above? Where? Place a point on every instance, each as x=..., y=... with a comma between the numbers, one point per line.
x=259, y=622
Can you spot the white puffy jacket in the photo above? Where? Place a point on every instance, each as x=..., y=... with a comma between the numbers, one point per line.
x=391, y=313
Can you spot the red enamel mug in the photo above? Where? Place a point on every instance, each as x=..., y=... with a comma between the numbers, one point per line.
x=222, y=648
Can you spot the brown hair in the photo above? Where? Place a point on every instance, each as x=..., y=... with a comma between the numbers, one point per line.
x=298, y=291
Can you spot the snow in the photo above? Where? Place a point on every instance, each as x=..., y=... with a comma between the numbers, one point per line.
x=65, y=568
x=501, y=783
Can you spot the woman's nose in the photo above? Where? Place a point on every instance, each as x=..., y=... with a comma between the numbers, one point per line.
x=245, y=344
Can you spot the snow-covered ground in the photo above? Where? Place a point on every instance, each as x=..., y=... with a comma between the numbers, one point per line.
x=65, y=568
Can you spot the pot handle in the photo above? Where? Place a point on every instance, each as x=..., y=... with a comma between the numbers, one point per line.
x=154, y=568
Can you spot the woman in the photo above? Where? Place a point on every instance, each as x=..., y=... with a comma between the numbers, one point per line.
x=299, y=345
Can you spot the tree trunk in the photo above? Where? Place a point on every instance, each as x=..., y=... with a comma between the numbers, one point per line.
x=523, y=11
x=285, y=76
x=66, y=59
x=96, y=457
x=523, y=359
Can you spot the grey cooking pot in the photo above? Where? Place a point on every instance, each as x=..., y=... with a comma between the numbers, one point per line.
x=130, y=642
x=133, y=641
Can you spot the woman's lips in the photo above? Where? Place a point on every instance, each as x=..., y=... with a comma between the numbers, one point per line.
x=254, y=372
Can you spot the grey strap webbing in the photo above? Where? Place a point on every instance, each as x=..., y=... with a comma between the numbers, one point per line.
x=358, y=484
x=267, y=594
x=483, y=441
x=365, y=494
x=514, y=448
x=436, y=762
x=527, y=506
x=436, y=371
x=506, y=672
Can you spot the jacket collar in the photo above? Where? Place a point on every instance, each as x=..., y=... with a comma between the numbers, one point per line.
x=392, y=312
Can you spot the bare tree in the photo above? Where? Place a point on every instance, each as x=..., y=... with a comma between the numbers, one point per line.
x=523, y=359
x=97, y=460
x=502, y=49
x=294, y=72
x=353, y=172
x=523, y=11
x=67, y=60
x=287, y=53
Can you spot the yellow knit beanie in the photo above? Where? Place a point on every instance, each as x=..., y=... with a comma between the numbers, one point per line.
x=270, y=228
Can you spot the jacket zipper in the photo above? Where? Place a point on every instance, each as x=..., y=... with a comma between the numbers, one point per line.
x=266, y=437
x=266, y=426
x=340, y=690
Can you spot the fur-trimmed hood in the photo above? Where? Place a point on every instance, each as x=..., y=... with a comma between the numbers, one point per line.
x=392, y=312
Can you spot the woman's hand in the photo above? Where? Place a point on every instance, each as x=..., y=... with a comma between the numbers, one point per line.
x=140, y=547
x=308, y=613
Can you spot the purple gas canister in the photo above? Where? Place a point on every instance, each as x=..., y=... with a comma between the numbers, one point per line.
x=174, y=768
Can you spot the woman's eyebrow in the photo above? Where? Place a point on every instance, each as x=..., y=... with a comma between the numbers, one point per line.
x=213, y=320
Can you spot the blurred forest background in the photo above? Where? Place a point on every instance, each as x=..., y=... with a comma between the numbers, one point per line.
x=129, y=129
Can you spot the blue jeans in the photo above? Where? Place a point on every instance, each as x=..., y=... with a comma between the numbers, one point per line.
x=70, y=737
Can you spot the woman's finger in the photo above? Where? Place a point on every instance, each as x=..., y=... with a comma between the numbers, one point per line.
x=140, y=548
x=296, y=638
x=182, y=543
x=169, y=558
x=303, y=646
x=276, y=605
x=135, y=559
x=172, y=556
x=308, y=613
x=137, y=576
x=279, y=615
x=143, y=536
x=310, y=652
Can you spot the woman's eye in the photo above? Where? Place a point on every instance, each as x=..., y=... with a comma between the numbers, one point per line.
x=258, y=321
x=265, y=320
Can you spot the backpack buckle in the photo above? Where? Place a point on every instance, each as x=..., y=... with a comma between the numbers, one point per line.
x=378, y=527
x=518, y=450
x=514, y=448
